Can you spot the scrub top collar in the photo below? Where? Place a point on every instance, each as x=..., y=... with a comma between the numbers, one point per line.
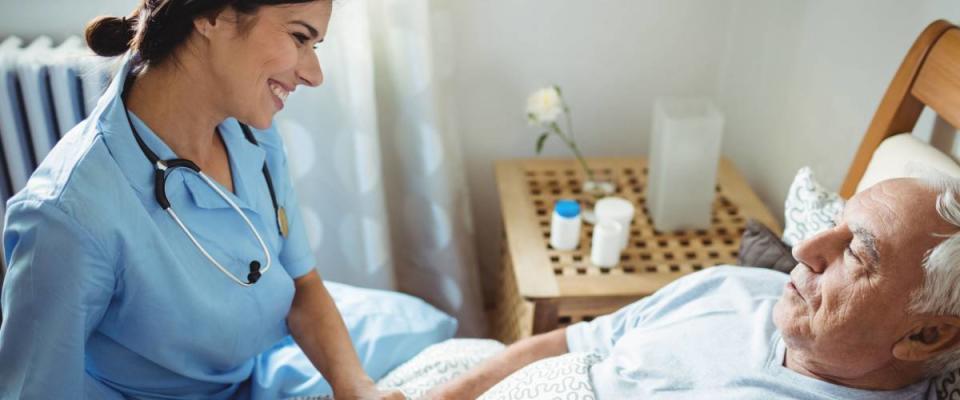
x=246, y=159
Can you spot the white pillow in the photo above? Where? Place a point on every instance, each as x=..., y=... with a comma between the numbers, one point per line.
x=809, y=209
x=898, y=154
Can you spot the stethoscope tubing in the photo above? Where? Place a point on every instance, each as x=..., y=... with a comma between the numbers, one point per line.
x=164, y=167
x=246, y=220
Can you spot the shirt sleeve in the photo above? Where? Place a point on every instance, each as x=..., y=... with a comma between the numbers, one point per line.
x=601, y=334
x=296, y=255
x=57, y=287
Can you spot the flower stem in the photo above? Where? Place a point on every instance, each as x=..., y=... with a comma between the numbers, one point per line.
x=566, y=114
x=573, y=147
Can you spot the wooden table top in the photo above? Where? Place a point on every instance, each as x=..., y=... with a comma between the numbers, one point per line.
x=529, y=187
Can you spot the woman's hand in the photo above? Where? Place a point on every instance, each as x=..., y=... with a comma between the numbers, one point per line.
x=316, y=326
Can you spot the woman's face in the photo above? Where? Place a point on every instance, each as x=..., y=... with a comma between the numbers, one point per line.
x=255, y=63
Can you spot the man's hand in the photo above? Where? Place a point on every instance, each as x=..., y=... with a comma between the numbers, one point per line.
x=392, y=395
x=366, y=390
x=441, y=393
x=518, y=355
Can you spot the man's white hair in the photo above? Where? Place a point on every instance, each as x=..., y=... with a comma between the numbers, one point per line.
x=940, y=292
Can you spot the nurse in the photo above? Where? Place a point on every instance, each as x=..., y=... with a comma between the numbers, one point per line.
x=157, y=252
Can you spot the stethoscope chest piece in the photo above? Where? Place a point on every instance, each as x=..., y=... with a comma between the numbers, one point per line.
x=282, y=219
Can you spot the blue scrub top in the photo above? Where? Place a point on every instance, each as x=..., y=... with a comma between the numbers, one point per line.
x=105, y=294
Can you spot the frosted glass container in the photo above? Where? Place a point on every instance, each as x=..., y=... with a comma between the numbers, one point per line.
x=684, y=153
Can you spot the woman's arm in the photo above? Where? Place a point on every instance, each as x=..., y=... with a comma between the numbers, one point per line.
x=317, y=327
x=58, y=285
x=518, y=355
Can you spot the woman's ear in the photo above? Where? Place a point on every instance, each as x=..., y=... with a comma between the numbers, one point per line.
x=932, y=337
x=208, y=24
x=203, y=25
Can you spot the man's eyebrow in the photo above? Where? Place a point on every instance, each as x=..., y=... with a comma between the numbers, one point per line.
x=869, y=243
x=313, y=31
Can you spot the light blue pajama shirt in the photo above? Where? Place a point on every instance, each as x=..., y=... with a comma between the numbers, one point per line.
x=105, y=296
x=709, y=335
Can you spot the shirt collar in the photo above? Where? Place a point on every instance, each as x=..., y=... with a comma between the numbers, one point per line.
x=246, y=158
x=246, y=166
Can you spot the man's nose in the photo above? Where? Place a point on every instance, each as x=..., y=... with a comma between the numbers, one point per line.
x=820, y=250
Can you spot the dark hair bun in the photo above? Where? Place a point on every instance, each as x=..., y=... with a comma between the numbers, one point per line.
x=109, y=36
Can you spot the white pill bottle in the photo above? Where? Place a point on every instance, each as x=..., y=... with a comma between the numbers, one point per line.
x=565, y=225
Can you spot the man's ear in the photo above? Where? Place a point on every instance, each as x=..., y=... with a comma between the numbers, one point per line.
x=930, y=338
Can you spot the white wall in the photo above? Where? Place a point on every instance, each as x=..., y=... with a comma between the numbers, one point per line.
x=56, y=18
x=611, y=57
x=801, y=81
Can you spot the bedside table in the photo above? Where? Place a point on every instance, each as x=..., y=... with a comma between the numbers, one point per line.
x=540, y=289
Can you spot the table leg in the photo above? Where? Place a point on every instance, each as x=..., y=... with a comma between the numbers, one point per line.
x=544, y=316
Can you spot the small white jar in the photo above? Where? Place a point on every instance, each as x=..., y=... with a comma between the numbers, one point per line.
x=605, y=247
x=619, y=210
x=565, y=225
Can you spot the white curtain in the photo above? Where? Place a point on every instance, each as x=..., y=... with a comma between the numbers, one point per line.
x=375, y=158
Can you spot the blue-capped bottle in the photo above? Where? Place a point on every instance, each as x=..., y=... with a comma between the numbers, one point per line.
x=565, y=225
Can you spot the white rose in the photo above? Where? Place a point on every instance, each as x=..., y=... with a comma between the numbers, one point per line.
x=544, y=106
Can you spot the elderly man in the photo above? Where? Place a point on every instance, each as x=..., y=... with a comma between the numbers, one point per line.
x=870, y=311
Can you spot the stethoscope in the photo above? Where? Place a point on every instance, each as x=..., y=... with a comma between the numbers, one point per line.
x=163, y=168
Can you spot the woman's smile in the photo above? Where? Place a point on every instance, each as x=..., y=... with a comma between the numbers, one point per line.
x=280, y=93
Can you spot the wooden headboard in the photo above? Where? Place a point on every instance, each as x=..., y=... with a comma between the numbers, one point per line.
x=929, y=76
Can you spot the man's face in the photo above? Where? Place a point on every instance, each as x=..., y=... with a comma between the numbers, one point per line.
x=846, y=303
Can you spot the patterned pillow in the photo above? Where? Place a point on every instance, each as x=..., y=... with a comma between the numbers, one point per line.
x=945, y=387
x=564, y=377
x=434, y=366
x=439, y=364
x=809, y=208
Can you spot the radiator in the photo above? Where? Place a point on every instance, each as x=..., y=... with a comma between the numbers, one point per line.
x=45, y=90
